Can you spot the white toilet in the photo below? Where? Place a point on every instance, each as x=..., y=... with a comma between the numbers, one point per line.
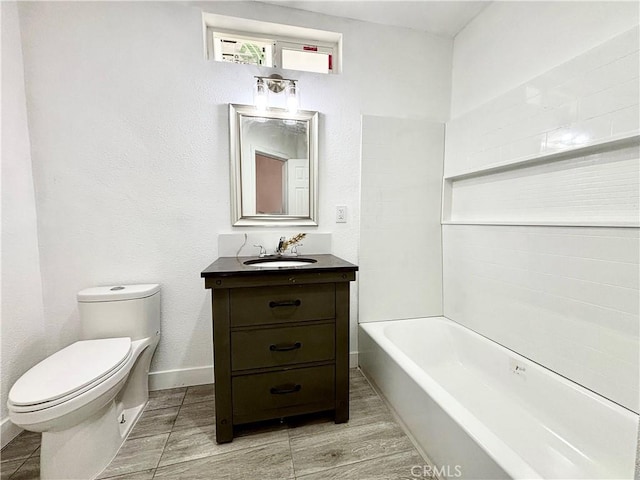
x=86, y=398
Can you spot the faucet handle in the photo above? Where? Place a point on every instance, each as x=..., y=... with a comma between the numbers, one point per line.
x=263, y=251
x=294, y=249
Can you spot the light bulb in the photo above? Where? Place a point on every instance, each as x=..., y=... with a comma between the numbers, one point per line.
x=260, y=96
x=291, y=93
x=261, y=103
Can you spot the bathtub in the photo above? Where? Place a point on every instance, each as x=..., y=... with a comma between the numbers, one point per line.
x=480, y=411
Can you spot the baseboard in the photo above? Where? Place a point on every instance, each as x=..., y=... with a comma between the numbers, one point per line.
x=182, y=377
x=353, y=360
x=8, y=431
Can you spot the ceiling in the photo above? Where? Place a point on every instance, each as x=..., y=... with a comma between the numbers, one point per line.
x=445, y=18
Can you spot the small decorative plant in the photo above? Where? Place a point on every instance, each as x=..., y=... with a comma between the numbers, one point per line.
x=295, y=240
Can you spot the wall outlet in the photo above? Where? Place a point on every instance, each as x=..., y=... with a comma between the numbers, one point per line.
x=341, y=214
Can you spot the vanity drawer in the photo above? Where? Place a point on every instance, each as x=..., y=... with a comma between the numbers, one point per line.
x=270, y=347
x=259, y=396
x=282, y=304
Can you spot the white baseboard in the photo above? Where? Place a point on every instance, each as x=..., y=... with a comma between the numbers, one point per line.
x=184, y=377
x=8, y=431
x=353, y=360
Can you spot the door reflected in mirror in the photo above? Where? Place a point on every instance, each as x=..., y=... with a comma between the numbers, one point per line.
x=274, y=166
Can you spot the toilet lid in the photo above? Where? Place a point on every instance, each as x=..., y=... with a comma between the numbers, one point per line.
x=69, y=370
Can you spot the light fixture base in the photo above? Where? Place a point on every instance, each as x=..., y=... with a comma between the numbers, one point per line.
x=277, y=84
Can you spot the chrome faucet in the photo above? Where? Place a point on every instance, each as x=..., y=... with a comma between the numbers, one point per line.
x=293, y=242
x=263, y=251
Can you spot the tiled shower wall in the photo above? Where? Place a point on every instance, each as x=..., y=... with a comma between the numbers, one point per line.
x=400, y=243
x=596, y=188
x=566, y=297
x=592, y=97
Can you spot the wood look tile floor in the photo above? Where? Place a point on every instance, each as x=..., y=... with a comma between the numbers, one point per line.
x=175, y=439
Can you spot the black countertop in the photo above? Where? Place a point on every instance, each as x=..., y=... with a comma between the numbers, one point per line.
x=234, y=266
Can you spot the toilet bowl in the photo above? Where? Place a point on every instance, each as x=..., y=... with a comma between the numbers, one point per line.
x=86, y=397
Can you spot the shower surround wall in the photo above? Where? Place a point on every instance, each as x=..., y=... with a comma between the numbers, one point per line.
x=565, y=297
x=400, y=238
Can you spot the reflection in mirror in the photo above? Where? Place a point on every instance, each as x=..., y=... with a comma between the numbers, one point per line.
x=273, y=159
x=275, y=162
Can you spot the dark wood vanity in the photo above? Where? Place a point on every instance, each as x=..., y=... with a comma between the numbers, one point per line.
x=281, y=340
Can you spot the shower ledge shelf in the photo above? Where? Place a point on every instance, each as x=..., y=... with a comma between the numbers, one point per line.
x=611, y=143
x=585, y=149
x=546, y=223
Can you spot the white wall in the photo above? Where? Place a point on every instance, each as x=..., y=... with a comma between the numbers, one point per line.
x=130, y=145
x=526, y=77
x=400, y=234
x=509, y=43
x=23, y=325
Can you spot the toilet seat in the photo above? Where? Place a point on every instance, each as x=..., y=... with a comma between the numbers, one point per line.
x=68, y=373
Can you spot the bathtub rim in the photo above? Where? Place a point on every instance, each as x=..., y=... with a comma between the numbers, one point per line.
x=512, y=462
x=489, y=442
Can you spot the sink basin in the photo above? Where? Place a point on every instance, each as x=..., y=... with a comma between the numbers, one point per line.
x=279, y=262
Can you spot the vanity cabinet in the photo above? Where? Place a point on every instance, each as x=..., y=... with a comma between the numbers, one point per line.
x=281, y=340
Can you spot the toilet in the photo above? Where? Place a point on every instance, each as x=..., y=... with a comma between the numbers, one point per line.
x=86, y=397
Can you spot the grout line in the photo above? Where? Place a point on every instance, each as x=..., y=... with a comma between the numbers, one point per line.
x=293, y=465
x=365, y=460
x=35, y=451
x=161, y=454
x=151, y=434
x=155, y=470
x=219, y=454
x=173, y=424
x=17, y=469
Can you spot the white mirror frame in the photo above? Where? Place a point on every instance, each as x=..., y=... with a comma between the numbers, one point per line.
x=236, y=112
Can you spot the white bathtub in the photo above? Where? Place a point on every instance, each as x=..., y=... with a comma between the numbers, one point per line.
x=479, y=410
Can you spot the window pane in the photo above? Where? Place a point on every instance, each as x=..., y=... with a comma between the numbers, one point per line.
x=305, y=61
x=243, y=50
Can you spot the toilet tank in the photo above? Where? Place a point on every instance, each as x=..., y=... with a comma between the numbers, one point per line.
x=120, y=311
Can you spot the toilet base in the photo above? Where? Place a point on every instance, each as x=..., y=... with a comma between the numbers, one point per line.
x=84, y=451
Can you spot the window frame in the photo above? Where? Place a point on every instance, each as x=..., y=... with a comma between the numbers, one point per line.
x=296, y=39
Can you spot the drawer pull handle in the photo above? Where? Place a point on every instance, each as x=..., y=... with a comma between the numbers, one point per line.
x=284, y=389
x=285, y=348
x=285, y=303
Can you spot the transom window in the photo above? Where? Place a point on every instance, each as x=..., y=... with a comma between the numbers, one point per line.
x=252, y=42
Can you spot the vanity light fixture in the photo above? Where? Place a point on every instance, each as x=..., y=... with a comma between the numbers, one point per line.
x=276, y=84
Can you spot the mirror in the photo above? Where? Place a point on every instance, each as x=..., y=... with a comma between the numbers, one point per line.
x=274, y=166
